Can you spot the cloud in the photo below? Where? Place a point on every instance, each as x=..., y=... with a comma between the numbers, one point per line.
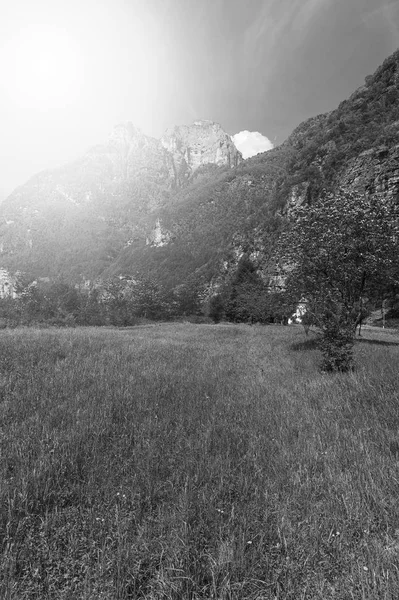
x=250, y=143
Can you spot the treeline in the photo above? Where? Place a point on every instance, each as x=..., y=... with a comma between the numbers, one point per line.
x=244, y=298
x=118, y=301
x=247, y=298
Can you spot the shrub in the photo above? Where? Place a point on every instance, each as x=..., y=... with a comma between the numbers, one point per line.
x=337, y=347
x=216, y=308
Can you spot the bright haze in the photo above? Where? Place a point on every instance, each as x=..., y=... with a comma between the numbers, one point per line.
x=71, y=70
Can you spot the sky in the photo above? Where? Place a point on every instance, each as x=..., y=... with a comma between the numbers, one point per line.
x=72, y=69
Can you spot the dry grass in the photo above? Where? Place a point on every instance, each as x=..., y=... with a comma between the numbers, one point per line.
x=186, y=461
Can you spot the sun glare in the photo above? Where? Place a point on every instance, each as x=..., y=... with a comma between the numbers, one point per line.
x=43, y=69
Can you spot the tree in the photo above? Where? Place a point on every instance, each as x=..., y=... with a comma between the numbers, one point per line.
x=61, y=301
x=334, y=253
x=246, y=294
x=93, y=310
x=187, y=297
x=118, y=302
x=150, y=299
x=216, y=308
x=31, y=302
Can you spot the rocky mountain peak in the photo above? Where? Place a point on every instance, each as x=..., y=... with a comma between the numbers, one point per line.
x=125, y=131
x=203, y=142
x=127, y=135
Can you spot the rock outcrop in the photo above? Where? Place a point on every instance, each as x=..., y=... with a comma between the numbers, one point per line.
x=7, y=284
x=158, y=237
x=133, y=153
x=203, y=142
x=374, y=171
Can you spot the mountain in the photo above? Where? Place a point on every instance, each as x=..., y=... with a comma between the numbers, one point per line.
x=187, y=207
x=203, y=142
x=225, y=213
x=75, y=220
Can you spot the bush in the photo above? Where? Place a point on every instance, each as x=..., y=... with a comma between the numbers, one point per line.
x=337, y=347
x=216, y=308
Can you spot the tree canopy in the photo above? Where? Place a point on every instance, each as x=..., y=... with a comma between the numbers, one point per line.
x=336, y=252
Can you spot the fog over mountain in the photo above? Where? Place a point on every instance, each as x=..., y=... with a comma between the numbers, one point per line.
x=188, y=205
x=199, y=299
x=72, y=70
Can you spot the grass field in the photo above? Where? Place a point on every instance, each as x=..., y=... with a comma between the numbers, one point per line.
x=185, y=461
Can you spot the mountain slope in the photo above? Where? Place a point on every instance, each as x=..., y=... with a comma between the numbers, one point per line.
x=187, y=206
x=221, y=215
x=75, y=220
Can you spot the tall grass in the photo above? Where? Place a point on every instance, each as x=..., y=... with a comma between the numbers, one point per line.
x=184, y=461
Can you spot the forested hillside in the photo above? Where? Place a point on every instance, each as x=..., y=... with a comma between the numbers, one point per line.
x=133, y=209
x=223, y=213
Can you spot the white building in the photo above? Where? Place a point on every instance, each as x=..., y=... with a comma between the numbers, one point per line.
x=298, y=314
x=7, y=284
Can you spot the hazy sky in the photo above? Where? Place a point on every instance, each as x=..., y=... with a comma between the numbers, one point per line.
x=71, y=69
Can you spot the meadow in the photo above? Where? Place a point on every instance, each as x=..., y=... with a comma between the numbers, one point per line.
x=183, y=461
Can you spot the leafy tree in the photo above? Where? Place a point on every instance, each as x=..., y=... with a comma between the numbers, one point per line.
x=246, y=294
x=216, y=308
x=150, y=299
x=119, y=302
x=55, y=302
x=93, y=310
x=334, y=253
x=59, y=300
x=31, y=303
x=187, y=298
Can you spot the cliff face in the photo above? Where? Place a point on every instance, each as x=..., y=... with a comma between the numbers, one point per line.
x=374, y=171
x=354, y=147
x=134, y=154
x=203, y=142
